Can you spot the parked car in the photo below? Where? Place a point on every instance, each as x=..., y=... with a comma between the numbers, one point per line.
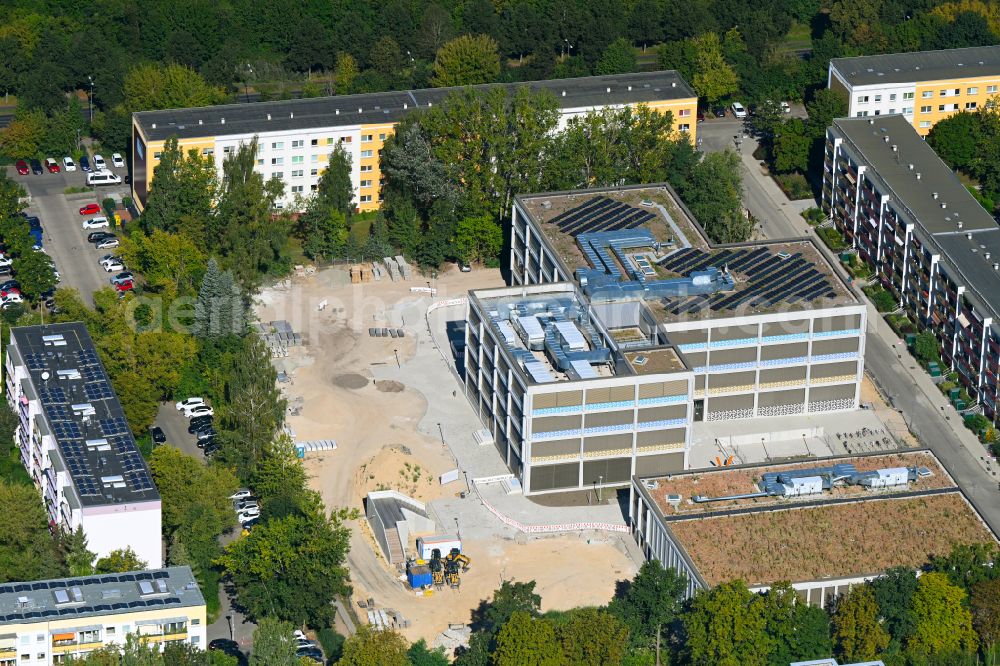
x=6, y=270
x=5, y=260
x=247, y=506
x=199, y=410
x=205, y=433
x=22, y=167
x=36, y=168
x=122, y=277
x=701, y=115
x=313, y=654
x=122, y=287
x=189, y=402
x=117, y=161
x=51, y=165
x=4, y=293
x=719, y=112
x=241, y=494
x=464, y=267
x=211, y=450
x=109, y=257
x=112, y=266
x=103, y=178
x=249, y=514
x=10, y=284
x=198, y=422
x=739, y=110
x=90, y=209
x=785, y=107
x=34, y=222
x=99, y=222
x=99, y=163
x=69, y=164
x=84, y=163
x=97, y=236
x=108, y=243
x=209, y=443
x=157, y=435
x=303, y=642
x=50, y=305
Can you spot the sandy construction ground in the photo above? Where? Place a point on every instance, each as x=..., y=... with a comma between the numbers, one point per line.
x=375, y=425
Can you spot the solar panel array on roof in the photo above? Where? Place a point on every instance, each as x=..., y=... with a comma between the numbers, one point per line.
x=769, y=277
x=601, y=214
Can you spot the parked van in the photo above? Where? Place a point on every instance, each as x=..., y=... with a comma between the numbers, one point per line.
x=103, y=178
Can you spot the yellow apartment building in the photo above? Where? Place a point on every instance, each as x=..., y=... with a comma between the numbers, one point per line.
x=925, y=87
x=297, y=136
x=48, y=621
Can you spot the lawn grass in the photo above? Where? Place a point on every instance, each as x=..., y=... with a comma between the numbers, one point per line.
x=799, y=37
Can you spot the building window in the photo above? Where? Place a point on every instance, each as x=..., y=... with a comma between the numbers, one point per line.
x=908, y=95
x=925, y=123
x=260, y=162
x=941, y=107
x=684, y=113
x=280, y=175
x=227, y=150
x=969, y=106
x=298, y=159
x=366, y=183
x=877, y=112
x=892, y=111
x=329, y=141
x=862, y=99
x=110, y=631
x=954, y=107
x=925, y=109
x=298, y=143
x=297, y=173
x=907, y=109
x=366, y=198
x=991, y=89
x=684, y=127
x=278, y=161
x=878, y=98
x=366, y=153
x=958, y=91
x=314, y=187
x=208, y=151
x=944, y=93
x=972, y=91
x=366, y=167
x=314, y=142
x=278, y=145
x=365, y=138
x=92, y=636
x=345, y=139
x=296, y=189
x=381, y=137
x=157, y=155
x=927, y=93
x=313, y=172
x=892, y=97
x=314, y=159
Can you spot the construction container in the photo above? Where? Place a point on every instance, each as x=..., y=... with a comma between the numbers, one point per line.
x=934, y=371
x=953, y=393
x=418, y=576
x=959, y=404
x=910, y=339
x=442, y=542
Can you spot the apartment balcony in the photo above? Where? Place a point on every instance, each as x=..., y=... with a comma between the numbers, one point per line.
x=64, y=646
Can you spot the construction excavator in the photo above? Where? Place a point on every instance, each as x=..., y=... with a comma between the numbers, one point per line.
x=437, y=568
x=458, y=558
x=451, y=574
x=448, y=569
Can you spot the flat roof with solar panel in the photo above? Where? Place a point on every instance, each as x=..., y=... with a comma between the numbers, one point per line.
x=642, y=243
x=84, y=415
x=107, y=594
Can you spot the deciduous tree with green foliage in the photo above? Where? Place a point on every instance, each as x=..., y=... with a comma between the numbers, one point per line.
x=857, y=633
x=955, y=139
x=968, y=564
x=120, y=560
x=618, y=58
x=592, y=637
x=23, y=136
x=27, y=551
x=894, y=595
x=713, y=78
x=170, y=263
x=35, y=273
x=479, y=238
x=183, y=192
x=527, y=641
x=984, y=604
x=151, y=86
x=790, y=146
x=725, y=626
x=795, y=631
x=942, y=623
x=467, y=60
x=926, y=347
x=651, y=602
x=273, y=644
x=374, y=647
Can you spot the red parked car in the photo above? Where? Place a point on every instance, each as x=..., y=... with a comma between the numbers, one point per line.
x=51, y=165
x=90, y=209
x=22, y=167
x=124, y=286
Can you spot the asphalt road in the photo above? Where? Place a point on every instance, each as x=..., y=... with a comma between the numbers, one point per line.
x=63, y=237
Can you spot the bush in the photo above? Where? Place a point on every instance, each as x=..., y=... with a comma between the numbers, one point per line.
x=814, y=215
x=900, y=323
x=75, y=189
x=794, y=185
x=332, y=642
x=882, y=300
x=832, y=238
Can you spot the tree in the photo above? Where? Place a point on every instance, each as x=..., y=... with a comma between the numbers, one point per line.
x=791, y=146
x=713, y=77
x=27, y=552
x=10, y=199
x=479, y=238
x=942, y=623
x=120, y=560
x=926, y=347
x=618, y=58
x=273, y=644
x=151, y=86
x=651, y=602
x=35, y=273
x=857, y=633
x=323, y=226
x=796, y=630
x=186, y=484
x=23, y=136
x=219, y=310
x=894, y=595
x=984, y=604
x=954, y=139
x=713, y=193
x=527, y=641
x=374, y=647
x=280, y=475
x=184, y=192
x=170, y=262
x=725, y=626
x=592, y=637
x=419, y=654
x=345, y=72
x=825, y=105
x=78, y=559
x=968, y=564
x=466, y=60
x=291, y=567
x=385, y=56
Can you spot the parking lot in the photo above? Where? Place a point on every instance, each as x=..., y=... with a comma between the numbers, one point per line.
x=63, y=237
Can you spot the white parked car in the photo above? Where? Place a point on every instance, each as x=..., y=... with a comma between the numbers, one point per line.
x=99, y=163
x=99, y=222
x=69, y=164
x=112, y=266
x=103, y=177
x=189, y=403
x=117, y=160
x=108, y=243
x=785, y=108
x=240, y=494
x=5, y=261
x=248, y=515
x=738, y=110
x=198, y=410
x=12, y=297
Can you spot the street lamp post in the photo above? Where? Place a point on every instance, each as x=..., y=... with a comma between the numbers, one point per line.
x=396, y=352
x=600, y=480
x=90, y=98
x=229, y=619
